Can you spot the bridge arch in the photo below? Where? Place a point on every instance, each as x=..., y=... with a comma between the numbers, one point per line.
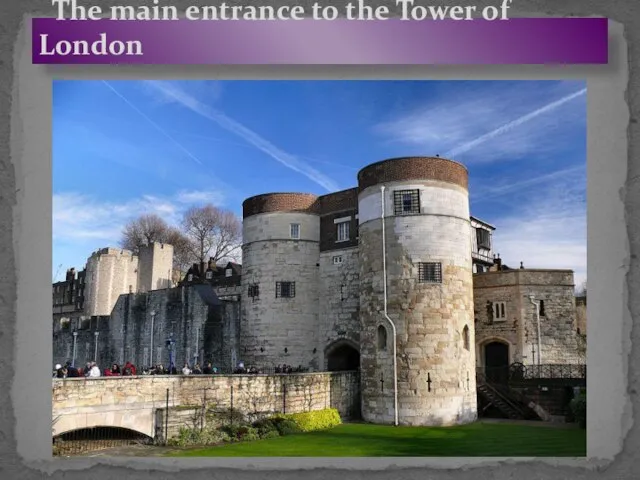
x=90, y=439
x=342, y=355
x=141, y=421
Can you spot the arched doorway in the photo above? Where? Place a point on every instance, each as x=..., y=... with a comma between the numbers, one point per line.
x=496, y=361
x=342, y=356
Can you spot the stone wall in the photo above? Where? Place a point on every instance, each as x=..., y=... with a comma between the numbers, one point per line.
x=560, y=343
x=80, y=403
x=204, y=328
x=340, y=300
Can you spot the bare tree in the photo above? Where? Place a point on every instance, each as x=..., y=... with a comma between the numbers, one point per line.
x=582, y=289
x=151, y=228
x=213, y=232
x=142, y=231
x=182, y=248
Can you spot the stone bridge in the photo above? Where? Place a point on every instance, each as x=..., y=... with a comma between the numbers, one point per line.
x=133, y=403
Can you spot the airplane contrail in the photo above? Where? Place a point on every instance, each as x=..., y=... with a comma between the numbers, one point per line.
x=515, y=123
x=288, y=160
x=154, y=124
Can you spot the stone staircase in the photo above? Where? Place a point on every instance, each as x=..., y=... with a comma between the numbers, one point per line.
x=509, y=403
x=494, y=398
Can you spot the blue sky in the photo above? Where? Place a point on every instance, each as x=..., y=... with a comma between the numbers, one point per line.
x=123, y=148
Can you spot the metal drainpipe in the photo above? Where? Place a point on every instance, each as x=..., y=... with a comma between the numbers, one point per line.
x=393, y=327
x=531, y=299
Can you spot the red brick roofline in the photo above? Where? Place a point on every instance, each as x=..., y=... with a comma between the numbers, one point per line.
x=390, y=170
x=413, y=168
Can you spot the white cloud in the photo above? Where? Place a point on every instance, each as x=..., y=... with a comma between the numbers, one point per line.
x=90, y=223
x=549, y=232
x=490, y=123
x=176, y=93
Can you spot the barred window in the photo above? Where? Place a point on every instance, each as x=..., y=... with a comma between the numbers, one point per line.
x=406, y=202
x=254, y=291
x=430, y=272
x=285, y=289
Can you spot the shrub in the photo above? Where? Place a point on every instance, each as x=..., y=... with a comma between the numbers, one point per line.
x=578, y=407
x=269, y=434
x=286, y=426
x=265, y=427
x=240, y=432
x=317, y=420
x=192, y=436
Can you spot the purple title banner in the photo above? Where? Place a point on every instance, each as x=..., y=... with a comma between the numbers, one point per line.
x=320, y=42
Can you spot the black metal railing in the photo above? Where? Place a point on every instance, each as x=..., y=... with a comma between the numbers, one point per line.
x=519, y=372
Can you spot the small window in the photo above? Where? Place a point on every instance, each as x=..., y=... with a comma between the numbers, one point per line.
x=254, y=291
x=343, y=232
x=285, y=289
x=465, y=337
x=406, y=202
x=190, y=277
x=382, y=338
x=295, y=230
x=541, y=309
x=484, y=238
x=208, y=275
x=337, y=260
x=499, y=311
x=430, y=272
x=228, y=272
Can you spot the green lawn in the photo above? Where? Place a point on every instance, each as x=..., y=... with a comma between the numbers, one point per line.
x=364, y=440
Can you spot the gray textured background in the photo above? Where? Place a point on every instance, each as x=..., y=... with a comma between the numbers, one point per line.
x=25, y=256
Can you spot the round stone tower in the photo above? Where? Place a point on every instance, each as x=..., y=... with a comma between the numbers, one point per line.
x=280, y=258
x=425, y=242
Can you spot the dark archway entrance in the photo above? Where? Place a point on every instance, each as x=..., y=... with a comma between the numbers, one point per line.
x=343, y=357
x=496, y=362
x=85, y=440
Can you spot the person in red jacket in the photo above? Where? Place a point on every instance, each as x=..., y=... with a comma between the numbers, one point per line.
x=129, y=369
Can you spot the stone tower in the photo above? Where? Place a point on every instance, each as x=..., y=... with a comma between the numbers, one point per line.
x=280, y=254
x=429, y=292
x=155, y=267
x=110, y=273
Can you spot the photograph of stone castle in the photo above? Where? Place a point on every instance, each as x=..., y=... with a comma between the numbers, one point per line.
x=319, y=268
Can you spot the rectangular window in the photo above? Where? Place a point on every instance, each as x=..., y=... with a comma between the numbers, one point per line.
x=295, y=231
x=254, y=291
x=484, y=238
x=343, y=232
x=228, y=272
x=285, y=289
x=430, y=272
x=208, y=275
x=499, y=311
x=406, y=202
x=337, y=260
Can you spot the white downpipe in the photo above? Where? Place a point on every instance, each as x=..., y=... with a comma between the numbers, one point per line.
x=393, y=327
x=153, y=317
x=531, y=299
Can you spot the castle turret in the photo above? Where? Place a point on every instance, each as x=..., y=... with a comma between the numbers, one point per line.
x=281, y=235
x=425, y=242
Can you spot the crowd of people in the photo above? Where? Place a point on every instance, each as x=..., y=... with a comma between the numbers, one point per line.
x=91, y=369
